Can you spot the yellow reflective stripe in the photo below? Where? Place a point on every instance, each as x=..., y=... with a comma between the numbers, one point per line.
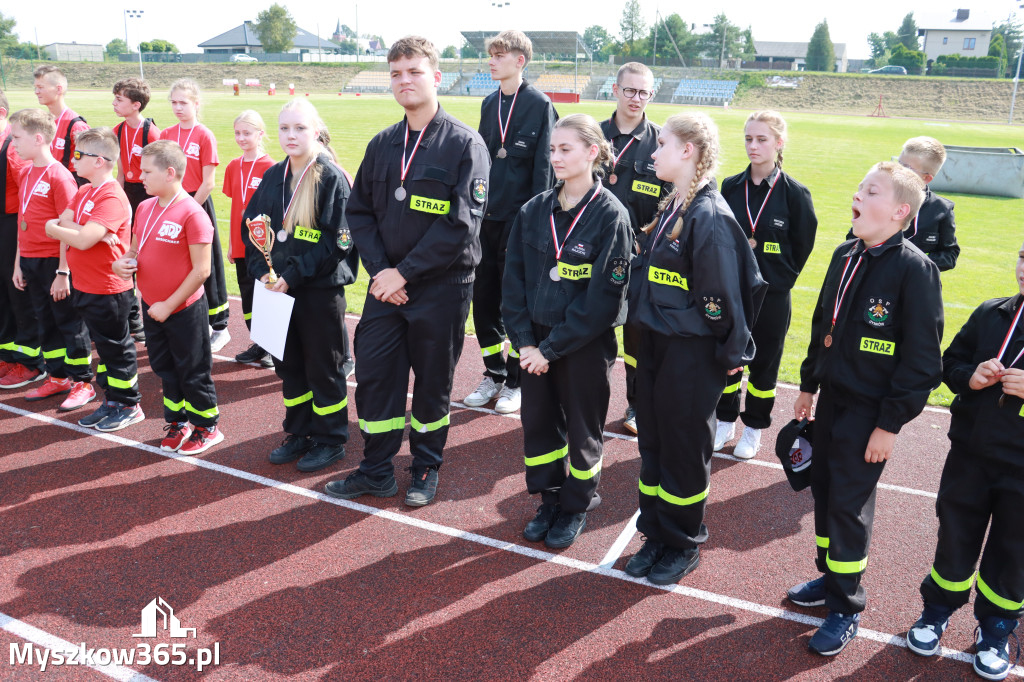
x=683, y=501
x=651, y=490
x=428, y=205
x=950, y=585
x=101, y=368
x=307, y=234
x=247, y=316
x=420, y=427
x=512, y=352
x=574, y=272
x=648, y=188
x=330, y=409
x=587, y=474
x=552, y=456
x=292, y=402
x=758, y=393
x=27, y=352
x=732, y=388
x=821, y=542
x=1001, y=602
x=491, y=350
x=170, y=405
x=382, y=426
x=659, y=276
x=7, y=346
x=877, y=346
x=218, y=309
x=51, y=354
x=846, y=566
x=629, y=360
x=209, y=414
x=78, y=361
x=121, y=383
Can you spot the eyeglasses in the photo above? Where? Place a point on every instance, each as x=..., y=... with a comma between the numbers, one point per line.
x=79, y=154
x=630, y=93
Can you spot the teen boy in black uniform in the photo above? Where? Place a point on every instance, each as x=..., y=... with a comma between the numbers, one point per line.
x=982, y=481
x=630, y=177
x=415, y=213
x=515, y=123
x=875, y=354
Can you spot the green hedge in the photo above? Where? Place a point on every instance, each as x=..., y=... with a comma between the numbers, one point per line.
x=956, y=61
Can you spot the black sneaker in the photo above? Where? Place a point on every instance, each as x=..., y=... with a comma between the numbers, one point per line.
x=644, y=560
x=674, y=565
x=835, y=633
x=540, y=525
x=251, y=355
x=810, y=593
x=91, y=420
x=565, y=530
x=423, y=487
x=290, y=449
x=359, y=483
x=121, y=417
x=320, y=456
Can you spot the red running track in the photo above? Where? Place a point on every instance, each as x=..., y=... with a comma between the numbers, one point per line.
x=292, y=584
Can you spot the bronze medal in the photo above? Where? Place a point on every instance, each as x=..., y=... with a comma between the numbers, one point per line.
x=502, y=153
x=24, y=226
x=400, y=194
x=129, y=175
x=752, y=242
x=613, y=178
x=828, y=340
x=553, y=274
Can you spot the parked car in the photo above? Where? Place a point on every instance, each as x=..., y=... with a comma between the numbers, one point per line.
x=242, y=57
x=891, y=69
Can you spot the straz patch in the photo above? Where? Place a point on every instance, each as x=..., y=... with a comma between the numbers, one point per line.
x=659, y=276
x=620, y=271
x=307, y=234
x=877, y=346
x=648, y=188
x=479, y=190
x=428, y=205
x=574, y=272
x=713, y=308
x=581, y=249
x=772, y=247
x=878, y=311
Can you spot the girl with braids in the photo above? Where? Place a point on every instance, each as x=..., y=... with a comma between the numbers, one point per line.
x=302, y=199
x=777, y=216
x=563, y=294
x=696, y=290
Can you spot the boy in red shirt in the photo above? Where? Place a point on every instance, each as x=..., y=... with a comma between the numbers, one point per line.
x=41, y=266
x=17, y=324
x=100, y=210
x=50, y=87
x=170, y=257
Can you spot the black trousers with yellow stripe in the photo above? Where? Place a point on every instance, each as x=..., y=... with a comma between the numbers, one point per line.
x=563, y=416
x=18, y=326
x=312, y=378
x=844, y=487
x=973, y=491
x=179, y=353
x=487, y=305
x=678, y=384
x=216, y=285
x=424, y=335
x=245, y=285
x=106, y=316
x=769, y=334
x=63, y=337
x=630, y=349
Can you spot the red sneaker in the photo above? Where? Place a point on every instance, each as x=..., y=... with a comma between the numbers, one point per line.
x=21, y=375
x=81, y=393
x=177, y=434
x=50, y=387
x=5, y=368
x=201, y=440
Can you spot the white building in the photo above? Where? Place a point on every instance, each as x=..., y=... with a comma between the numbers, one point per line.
x=74, y=52
x=796, y=54
x=959, y=31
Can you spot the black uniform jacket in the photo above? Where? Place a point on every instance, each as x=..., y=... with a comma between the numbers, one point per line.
x=786, y=229
x=636, y=185
x=434, y=233
x=885, y=357
x=320, y=255
x=526, y=171
x=978, y=423
x=590, y=296
x=703, y=283
x=933, y=231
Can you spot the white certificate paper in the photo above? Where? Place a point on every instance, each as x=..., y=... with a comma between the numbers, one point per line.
x=271, y=314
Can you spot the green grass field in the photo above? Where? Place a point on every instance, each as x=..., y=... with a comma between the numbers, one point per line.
x=829, y=154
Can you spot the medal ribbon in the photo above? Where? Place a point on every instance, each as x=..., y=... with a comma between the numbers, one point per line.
x=842, y=289
x=554, y=234
x=405, y=166
x=1009, y=334
x=746, y=197
x=284, y=216
x=28, y=198
x=190, y=131
x=615, y=163
x=151, y=224
x=135, y=138
x=501, y=128
x=665, y=221
x=245, y=183
x=81, y=207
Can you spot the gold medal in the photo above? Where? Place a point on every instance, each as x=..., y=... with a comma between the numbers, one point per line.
x=752, y=242
x=613, y=178
x=828, y=340
x=502, y=153
x=24, y=226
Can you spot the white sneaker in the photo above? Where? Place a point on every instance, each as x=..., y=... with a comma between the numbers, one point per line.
x=725, y=433
x=218, y=339
x=509, y=400
x=483, y=394
x=749, y=443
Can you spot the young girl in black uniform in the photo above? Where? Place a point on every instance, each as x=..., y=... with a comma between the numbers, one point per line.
x=695, y=293
x=563, y=294
x=777, y=216
x=304, y=198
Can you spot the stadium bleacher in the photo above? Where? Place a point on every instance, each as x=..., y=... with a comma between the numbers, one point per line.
x=481, y=85
x=559, y=82
x=380, y=81
x=694, y=91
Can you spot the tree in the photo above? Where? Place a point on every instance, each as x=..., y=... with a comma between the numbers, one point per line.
x=470, y=52
x=821, y=55
x=907, y=33
x=674, y=26
x=347, y=32
x=8, y=38
x=116, y=47
x=749, y=49
x=145, y=46
x=450, y=52
x=879, y=50
x=596, y=38
x=275, y=28
x=997, y=49
x=712, y=44
x=632, y=24
x=159, y=45
x=911, y=60
x=1012, y=34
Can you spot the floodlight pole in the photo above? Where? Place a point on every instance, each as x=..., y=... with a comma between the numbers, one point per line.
x=1016, y=79
x=133, y=14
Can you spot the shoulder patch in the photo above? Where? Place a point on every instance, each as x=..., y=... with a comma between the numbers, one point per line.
x=620, y=271
x=479, y=186
x=713, y=308
x=878, y=311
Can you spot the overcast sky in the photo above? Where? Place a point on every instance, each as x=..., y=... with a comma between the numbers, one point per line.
x=187, y=23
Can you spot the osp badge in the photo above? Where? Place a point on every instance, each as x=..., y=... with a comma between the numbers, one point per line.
x=479, y=190
x=713, y=308
x=878, y=311
x=620, y=271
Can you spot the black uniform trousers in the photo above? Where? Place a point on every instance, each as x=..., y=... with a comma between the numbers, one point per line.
x=630, y=349
x=769, y=334
x=843, y=485
x=563, y=416
x=18, y=325
x=487, y=304
x=179, y=353
x=136, y=193
x=678, y=384
x=424, y=335
x=216, y=285
x=63, y=337
x=312, y=379
x=973, y=491
x=245, y=285
x=106, y=317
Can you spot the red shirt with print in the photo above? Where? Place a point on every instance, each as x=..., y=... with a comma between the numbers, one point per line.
x=130, y=140
x=61, y=138
x=200, y=147
x=90, y=269
x=14, y=164
x=43, y=194
x=165, y=234
x=240, y=182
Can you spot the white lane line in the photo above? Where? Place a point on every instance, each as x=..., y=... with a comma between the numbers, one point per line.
x=530, y=552
x=54, y=643
x=615, y=551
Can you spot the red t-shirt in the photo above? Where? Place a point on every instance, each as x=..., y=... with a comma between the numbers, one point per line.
x=240, y=182
x=130, y=140
x=57, y=145
x=90, y=269
x=43, y=194
x=200, y=147
x=164, y=234
x=14, y=165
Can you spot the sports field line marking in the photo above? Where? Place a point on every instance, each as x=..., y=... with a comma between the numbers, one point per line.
x=619, y=546
x=511, y=547
x=45, y=639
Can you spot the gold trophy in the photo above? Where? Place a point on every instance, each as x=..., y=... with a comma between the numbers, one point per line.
x=262, y=238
